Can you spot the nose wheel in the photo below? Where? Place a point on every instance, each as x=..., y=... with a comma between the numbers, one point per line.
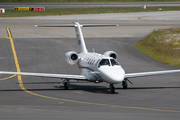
x=112, y=88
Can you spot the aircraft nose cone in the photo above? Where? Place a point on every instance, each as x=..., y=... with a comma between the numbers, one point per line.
x=113, y=75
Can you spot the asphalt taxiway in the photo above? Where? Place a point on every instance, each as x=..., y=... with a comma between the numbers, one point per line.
x=42, y=50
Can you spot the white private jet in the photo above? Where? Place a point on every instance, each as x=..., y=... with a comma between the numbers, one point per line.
x=94, y=67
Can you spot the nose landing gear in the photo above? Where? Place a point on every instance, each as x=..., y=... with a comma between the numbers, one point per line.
x=111, y=86
x=124, y=83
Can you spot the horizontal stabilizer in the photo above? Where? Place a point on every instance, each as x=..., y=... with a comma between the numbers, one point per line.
x=73, y=25
x=98, y=25
x=68, y=25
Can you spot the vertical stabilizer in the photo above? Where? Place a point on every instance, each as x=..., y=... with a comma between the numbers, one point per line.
x=81, y=43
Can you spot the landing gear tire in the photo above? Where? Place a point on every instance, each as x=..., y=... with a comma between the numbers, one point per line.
x=66, y=86
x=112, y=88
x=124, y=84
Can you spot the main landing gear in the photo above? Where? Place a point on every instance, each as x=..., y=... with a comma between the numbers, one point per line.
x=66, y=84
x=124, y=83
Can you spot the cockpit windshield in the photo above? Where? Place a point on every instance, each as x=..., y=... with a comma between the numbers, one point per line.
x=114, y=62
x=108, y=62
x=104, y=62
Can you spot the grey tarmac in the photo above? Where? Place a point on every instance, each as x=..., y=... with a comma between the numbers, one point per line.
x=42, y=50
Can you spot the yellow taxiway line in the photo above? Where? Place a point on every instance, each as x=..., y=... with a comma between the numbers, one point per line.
x=7, y=77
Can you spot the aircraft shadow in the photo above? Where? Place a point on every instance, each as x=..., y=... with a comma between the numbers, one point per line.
x=135, y=88
x=88, y=88
x=93, y=89
x=48, y=82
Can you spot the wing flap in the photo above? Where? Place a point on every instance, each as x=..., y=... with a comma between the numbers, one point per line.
x=65, y=76
x=144, y=74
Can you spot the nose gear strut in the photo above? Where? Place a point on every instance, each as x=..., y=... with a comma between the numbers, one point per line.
x=111, y=86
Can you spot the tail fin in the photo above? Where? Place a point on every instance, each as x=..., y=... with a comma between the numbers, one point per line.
x=81, y=43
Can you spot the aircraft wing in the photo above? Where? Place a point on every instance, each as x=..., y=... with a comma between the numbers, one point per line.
x=65, y=76
x=144, y=74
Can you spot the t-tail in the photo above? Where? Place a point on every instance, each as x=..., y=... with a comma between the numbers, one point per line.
x=81, y=43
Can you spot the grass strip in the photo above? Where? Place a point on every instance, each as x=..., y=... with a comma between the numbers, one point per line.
x=70, y=11
x=81, y=1
x=162, y=45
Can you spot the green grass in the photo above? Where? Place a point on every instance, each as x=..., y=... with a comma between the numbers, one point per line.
x=68, y=11
x=162, y=45
x=81, y=1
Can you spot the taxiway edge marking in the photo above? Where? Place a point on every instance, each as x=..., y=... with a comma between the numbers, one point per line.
x=11, y=75
x=7, y=77
x=4, y=36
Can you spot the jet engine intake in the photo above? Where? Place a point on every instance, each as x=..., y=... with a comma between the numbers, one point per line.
x=111, y=54
x=71, y=57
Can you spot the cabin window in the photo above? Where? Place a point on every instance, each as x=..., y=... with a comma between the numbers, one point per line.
x=87, y=60
x=93, y=62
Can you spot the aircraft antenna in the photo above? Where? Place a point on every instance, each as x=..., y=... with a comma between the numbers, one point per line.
x=93, y=50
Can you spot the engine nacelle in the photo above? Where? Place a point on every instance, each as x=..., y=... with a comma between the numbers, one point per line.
x=71, y=57
x=111, y=54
